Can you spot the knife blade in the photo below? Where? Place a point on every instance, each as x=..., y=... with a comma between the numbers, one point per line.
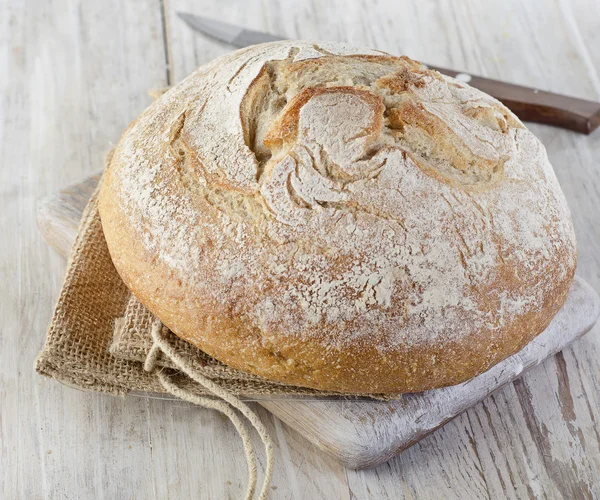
x=225, y=32
x=529, y=104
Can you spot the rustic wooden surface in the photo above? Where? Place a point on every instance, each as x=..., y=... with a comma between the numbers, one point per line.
x=363, y=434
x=73, y=75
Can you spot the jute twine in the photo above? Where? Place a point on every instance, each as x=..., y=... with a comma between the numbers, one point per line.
x=226, y=404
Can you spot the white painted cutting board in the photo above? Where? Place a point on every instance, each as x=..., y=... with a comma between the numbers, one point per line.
x=363, y=433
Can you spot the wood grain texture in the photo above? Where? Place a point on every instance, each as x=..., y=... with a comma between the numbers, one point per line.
x=72, y=76
x=365, y=434
x=60, y=213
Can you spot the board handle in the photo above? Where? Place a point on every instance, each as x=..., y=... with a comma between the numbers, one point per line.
x=533, y=105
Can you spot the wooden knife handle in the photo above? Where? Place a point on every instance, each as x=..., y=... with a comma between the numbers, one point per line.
x=537, y=105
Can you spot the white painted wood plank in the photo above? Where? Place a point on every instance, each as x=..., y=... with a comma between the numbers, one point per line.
x=443, y=465
x=71, y=77
x=303, y=471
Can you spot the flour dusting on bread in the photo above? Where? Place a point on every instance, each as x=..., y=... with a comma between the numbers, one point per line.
x=312, y=202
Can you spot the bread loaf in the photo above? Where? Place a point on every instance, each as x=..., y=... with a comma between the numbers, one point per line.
x=339, y=218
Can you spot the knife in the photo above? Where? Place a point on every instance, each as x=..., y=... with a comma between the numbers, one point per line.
x=527, y=103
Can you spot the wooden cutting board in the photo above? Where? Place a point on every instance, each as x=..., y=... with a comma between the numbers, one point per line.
x=363, y=434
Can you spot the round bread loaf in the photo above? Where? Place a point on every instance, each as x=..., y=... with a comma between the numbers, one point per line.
x=339, y=218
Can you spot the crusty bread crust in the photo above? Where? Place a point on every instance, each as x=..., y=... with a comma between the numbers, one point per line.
x=339, y=218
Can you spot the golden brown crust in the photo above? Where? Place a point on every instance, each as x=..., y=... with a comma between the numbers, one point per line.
x=346, y=222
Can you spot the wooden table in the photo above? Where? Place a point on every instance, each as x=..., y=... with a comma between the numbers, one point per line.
x=74, y=74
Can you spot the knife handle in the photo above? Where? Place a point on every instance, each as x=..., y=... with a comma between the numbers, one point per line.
x=535, y=105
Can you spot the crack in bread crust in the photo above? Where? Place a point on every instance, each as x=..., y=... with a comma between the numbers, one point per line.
x=384, y=227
